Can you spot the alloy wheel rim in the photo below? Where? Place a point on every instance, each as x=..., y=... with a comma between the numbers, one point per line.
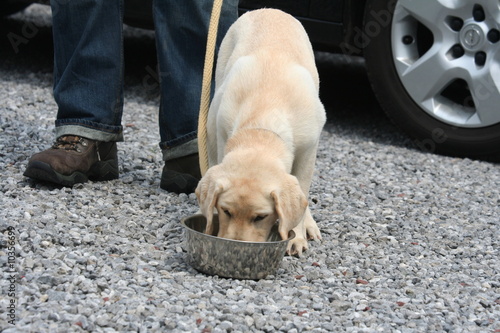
x=447, y=56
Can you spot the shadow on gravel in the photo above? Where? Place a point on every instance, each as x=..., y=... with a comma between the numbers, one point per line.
x=352, y=108
x=25, y=46
x=26, y=49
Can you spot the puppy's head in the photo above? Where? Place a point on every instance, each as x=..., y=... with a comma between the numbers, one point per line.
x=249, y=207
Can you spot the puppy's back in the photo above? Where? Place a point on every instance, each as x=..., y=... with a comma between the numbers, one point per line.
x=271, y=33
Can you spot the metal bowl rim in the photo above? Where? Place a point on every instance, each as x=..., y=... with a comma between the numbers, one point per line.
x=183, y=222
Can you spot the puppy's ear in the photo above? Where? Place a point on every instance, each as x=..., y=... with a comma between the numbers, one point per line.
x=290, y=204
x=207, y=192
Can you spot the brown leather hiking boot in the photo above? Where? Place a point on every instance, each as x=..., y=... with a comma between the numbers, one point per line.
x=73, y=159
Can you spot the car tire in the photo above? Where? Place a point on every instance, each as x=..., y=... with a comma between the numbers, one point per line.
x=432, y=78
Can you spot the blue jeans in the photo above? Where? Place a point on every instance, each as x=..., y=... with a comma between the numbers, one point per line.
x=88, y=67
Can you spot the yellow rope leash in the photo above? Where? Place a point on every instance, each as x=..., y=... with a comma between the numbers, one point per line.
x=207, y=80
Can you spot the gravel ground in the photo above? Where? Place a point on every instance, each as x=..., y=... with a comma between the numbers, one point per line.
x=410, y=239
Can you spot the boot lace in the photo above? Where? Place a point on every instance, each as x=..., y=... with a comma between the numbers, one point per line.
x=69, y=142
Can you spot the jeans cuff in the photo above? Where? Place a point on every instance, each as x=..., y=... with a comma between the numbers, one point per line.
x=185, y=149
x=88, y=133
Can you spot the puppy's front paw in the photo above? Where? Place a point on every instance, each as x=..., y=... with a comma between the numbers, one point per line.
x=311, y=228
x=296, y=246
x=313, y=232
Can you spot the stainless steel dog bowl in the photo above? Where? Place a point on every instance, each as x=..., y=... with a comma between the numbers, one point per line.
x=231, y=258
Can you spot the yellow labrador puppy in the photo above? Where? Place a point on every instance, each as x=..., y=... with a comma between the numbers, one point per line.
x=264, y=125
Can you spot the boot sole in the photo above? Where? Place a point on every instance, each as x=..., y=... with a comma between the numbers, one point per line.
x=100, y=171
x=177, y=182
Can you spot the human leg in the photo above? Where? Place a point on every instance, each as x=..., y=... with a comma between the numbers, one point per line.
x=88, y=76
x=88, y=68
x=181, y=30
